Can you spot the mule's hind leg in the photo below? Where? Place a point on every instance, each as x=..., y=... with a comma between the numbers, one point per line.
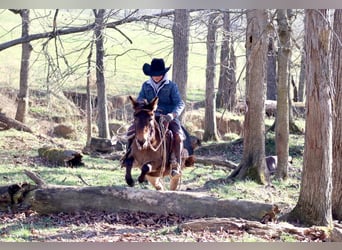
x=155, y=182
x=128, y=177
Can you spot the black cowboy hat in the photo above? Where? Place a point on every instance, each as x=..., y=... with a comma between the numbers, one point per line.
x=157, y=68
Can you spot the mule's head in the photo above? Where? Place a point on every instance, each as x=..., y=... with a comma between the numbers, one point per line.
x=144, y=117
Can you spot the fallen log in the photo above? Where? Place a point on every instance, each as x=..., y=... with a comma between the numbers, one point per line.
x=12, y=123
x=210, y=161
x=47, y=199
x=116, y=199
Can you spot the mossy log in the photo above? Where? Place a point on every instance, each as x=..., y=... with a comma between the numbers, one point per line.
x=62, y=157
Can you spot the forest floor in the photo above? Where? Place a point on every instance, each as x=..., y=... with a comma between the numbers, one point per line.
x=26, y=225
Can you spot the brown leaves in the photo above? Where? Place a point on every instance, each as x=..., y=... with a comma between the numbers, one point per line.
x=147, y=227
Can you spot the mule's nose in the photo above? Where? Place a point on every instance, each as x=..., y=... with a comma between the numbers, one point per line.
x=141, y=142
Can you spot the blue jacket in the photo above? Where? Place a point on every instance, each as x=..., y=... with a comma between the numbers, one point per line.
x=170, y=100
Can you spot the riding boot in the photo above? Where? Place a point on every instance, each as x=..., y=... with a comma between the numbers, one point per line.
x=176, y=159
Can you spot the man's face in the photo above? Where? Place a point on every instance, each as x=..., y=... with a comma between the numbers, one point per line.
x=157, y=78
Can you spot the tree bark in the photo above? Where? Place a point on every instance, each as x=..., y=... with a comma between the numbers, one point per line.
x=302, y=77
x=337, y=119
x=282, y=124
x=23, y=95
x=210, y=129
x=253, y=164
x=226, y=94
x=271, y=90
x=180, y=33
x=314, y=205
x=102, y=120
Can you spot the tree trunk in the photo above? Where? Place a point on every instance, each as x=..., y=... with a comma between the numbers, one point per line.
x=23, y=95
x=282, y=124
x=180, y=33
x=253, y=164
x=222, y=98
x=89, y=102
x=337, y=119
x=314, y=203
x=210, y=129
x=271, y=71
x=102, y=119
x=301, y=84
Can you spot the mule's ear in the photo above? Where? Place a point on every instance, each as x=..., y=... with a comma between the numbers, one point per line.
x=154, y=103
x=134, y=102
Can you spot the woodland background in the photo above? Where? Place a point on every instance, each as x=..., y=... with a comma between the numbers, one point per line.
x=254, y=82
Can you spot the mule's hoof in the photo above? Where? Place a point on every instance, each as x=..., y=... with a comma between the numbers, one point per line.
x=141, y=179
x=175, y=173
x=130, y=182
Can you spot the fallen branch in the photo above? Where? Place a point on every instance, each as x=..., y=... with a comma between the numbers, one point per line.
x=209, y=161
x=11, y=123
x=271, y=230
x=36, y=178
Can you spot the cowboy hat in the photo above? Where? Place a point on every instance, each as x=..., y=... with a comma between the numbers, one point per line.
x=157, y=68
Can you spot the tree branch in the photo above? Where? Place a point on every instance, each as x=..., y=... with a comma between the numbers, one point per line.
x=73, y=30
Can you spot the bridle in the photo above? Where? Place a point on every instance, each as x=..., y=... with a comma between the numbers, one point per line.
x=159, y=127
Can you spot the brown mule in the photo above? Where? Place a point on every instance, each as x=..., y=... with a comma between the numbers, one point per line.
x=150, y=150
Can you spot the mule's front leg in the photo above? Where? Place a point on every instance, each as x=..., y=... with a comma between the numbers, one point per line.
x=146, y=168
x=128, y=176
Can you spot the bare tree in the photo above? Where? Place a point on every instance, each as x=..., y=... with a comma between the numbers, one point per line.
x=282, y=124
x=210, y=129
x=253, y=165
x=89, y=102
x=301, y=84
x=226, y=93
x=23, y=95
x=271, y=91
x=180, y=32
x=314, y=205
x=102, y=119
x=337, y=119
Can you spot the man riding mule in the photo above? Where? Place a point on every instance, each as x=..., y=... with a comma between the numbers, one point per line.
x=169, y=106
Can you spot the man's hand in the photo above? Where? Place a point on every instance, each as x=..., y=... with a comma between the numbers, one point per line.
x=168, y=117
